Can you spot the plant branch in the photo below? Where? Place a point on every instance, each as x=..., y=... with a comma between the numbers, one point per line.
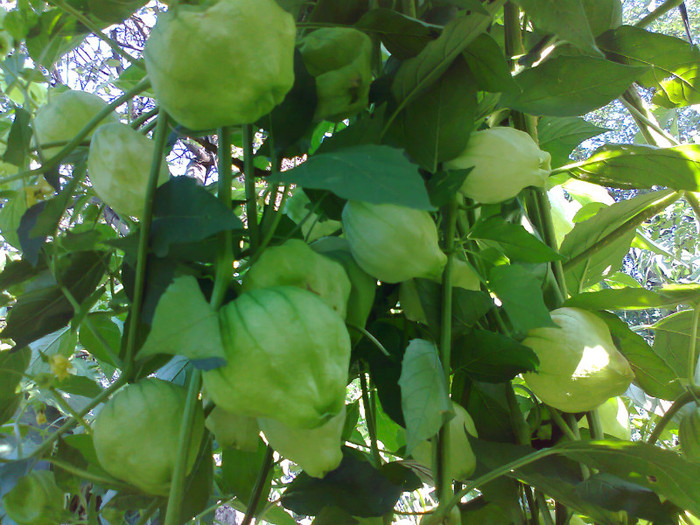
x=658, y=12
x=258, y=488
x=250, y=192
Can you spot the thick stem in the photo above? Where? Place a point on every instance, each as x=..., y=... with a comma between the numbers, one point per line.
x=658, y=12
x=594, y=424
x=685, y=398
x=250, y=191
x=144, y=233
x=443, y=478
x=371, y=419
x=177, y=484
x=258, y=488
x=224, y=262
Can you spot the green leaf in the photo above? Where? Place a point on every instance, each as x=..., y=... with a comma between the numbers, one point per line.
x=435, y=127
x=491, y=357
x=79, y=386
x=370, y=173
x=424, y=396
x=185, y=324
x=562, y=86
x=564, y=18
x=18, y=142
x=419, y=73
x=488, y=65
x=665, y=472
x=636, y=166
x=672, y=337
x=185, y=212
x=355, y=486
x=404, y=37
x=585, y=234
x=44, y=310
x=674, y=63
x=637, y=298
x=560, y=136
x=519, y=289
x=107, y=329
x=651, y=372
x=55, y=34
x=517, y=243
x=239, y=472
x=444, y=184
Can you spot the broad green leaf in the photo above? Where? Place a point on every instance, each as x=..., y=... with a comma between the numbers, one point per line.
x=603, y=15
x=79, y=386
x=564, y=18
x=637, y=298
x=488, y=65
x=370, y=173
x=18, y=142
x=562, y=86
x=44, y=310
x=424, y=395
x=108, y=331
x=185, y=212
x=636, y=166
x=520, y=290
x=11, y=216
x=517, y=243
x=404, y=37
x=443, y=185
x=663, y=471
x=355, y=486
x=591, y=269
x=419, y=73
x=185, y=324
x=488, y=407
x=672, y=338
x=674, y=63
x=491, y=357
x=239, y=472
x=55, y=34
x=651, y=372
x=560, y=136
x=435, y=127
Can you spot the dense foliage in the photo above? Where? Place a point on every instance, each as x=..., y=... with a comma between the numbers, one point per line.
x=349, y=261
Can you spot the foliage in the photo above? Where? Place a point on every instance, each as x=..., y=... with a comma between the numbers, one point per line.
x=346, y=235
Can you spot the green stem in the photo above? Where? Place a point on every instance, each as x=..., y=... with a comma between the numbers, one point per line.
x=692, y=350
x=275, y=221
x=258, y=488
x=148, y=512
x=653, y=133
x=370, y=418
x=81, y=136
x=136, y=123
x=250, y=192
x=70, y=410
x=683, y=399
x=692, y=200
x=595, y=425
x=544, y=510
x=443, y=479
x=224, y=263
x=627, y=226
x=517, y=420
x=144, y=233
x=372, y=339
x=89, y=476
x=658, y=12
x=563, y=426
x=94, y=28
x=177, y=484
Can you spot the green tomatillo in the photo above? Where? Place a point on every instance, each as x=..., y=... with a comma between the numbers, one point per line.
x=294, y=263
x=393, y=243
x=287, y=356
x=65, y=115
x=223, y=64
x=580, y=368
x=36, y=499
x=119, y=163
x=340, y=58
x=504, y=161
x=136, y=434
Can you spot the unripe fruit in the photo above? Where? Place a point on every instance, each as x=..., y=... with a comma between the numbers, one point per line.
x=233, y=430
x=363, y=286
x=287, y=355
x=35, y=500
x=689, y=435
x=65, y=115
x=580, y=368
x=340, y=58
x=316, y=450
x=462, y=461
x=136, y=435
x=119, y=164
x=393, y=243
x=294, y=263
x=504, y=160
x=221, y=65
